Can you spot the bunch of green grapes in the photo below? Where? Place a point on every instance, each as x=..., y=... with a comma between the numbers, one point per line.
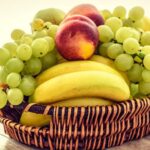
x=124, y=41
x=23, y=59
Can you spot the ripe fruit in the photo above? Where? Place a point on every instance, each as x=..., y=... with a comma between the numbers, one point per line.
x=76, y=39
x=36, y=120
x=74, y=66
x=52, y=15
x=81, y=84
x=87, y=10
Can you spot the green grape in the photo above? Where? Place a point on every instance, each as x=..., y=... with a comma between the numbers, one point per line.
x=119, y=12
x=135, y=34
x=24, y=52
x=48, y=61
x=136, y=13
x=123, y=33
x=39, y=34
x=137, y=24
x=51, y=42
x=146, y=75
x=131, y=46
x=37, y=24
x=26, y=39
x=14, y=65
x=103, y=48
x=134, y=89
x=17, y=34
x=33, y=66
x=135, y=73
x=105, y=33
x=4, y=56
x=106, y=14
x=27, y=85
x=15, y=96
x=145, y=38
x=146, y=61
x=52, y=31
x=3, y=99
x=3, y=74
x=11, y=47
x=124, y=62
x=146, y=49
x=47, y=25
x=114, y=23
x=13, y=80
x=144, y=88
x=127, y=22
x=40, y=47
x=114, y=50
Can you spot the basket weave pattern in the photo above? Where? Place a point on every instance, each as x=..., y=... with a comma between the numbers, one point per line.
x=97, y=127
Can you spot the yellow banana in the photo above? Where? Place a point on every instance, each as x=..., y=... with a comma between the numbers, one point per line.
x=103, y=60
x=33, y=119
x=39, y=120
x=84, y=101
x=73, y=66
x=110, y=63
x=82, y=84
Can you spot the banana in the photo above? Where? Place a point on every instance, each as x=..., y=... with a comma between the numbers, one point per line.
x=33, y=119
x=83, y=101
x=73, y=66
x=110, y=63
x=96, y=58
x=82, y=84
x=103, y=60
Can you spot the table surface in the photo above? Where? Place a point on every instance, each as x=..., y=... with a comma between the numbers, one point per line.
x=7, y=144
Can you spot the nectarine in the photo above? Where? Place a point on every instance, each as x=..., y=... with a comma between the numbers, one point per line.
x=76, y=39
x=89, y=11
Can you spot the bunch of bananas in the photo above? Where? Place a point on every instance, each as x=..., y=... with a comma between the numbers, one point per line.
x=81, y=79
x=78, y=83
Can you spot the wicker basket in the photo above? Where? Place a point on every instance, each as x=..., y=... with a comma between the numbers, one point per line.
x=96, y=127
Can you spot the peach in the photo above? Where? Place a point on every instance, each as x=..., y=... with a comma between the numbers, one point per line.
x=87, y=10
x=81, y=18
x=77, y=38
x=78, y=17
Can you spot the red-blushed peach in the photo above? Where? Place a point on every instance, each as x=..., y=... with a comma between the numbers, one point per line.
x=76, y=39
x=80, y=18
x=89, y=11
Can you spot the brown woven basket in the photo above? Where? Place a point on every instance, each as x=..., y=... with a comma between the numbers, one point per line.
x=96, y=127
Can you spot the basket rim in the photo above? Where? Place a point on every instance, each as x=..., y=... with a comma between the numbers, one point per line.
x=32, y=107
x=51, y=110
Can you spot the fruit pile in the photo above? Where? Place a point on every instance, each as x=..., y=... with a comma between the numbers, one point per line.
x=83, y=58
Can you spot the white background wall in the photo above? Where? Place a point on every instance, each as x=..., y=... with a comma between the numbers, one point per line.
x=19, y=13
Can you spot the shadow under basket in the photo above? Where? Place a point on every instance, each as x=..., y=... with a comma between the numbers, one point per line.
x=96, y=127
